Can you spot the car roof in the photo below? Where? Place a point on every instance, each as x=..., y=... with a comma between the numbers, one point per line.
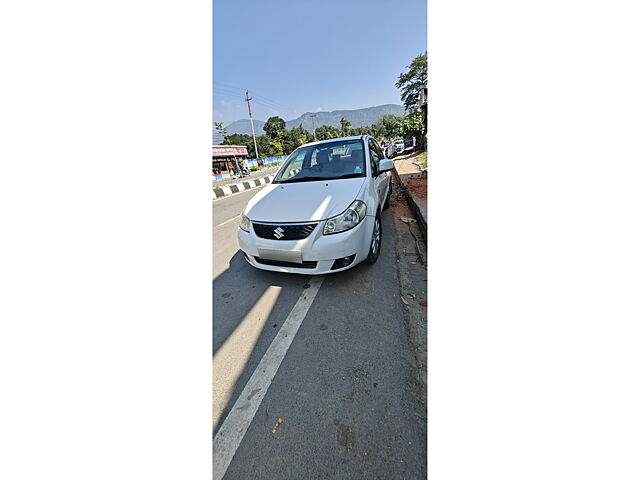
x=330, y=140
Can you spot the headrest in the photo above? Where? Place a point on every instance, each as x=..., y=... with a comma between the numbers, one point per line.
x=322, y=157
x=356, y=156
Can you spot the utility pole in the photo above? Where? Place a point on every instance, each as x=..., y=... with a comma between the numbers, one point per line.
x=313, y=119
x=248, y=100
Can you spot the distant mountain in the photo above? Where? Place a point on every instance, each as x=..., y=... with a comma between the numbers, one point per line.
x=244, y=126
x=361, y=117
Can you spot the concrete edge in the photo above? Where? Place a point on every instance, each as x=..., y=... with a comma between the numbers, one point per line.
x=226, y=190
x=422, y=222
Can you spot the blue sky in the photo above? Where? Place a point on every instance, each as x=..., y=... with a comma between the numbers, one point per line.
x=297, y=56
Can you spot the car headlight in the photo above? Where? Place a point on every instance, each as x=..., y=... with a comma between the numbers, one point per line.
x=244, y=222
x=351, y=217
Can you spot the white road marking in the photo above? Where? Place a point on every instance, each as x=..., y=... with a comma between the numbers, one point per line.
x=235, y=351
x=235, y=426
x=230, y=220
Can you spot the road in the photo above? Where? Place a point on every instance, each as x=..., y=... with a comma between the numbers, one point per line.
x=345, y=387
x=268, y=170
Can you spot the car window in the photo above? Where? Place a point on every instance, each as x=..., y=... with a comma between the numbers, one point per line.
x=375, y=157
x=296, y=164
x=378, y=149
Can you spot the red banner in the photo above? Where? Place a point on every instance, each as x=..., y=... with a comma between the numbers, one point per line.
x=226, y=151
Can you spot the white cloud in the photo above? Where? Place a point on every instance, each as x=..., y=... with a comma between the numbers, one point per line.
x=319, y=109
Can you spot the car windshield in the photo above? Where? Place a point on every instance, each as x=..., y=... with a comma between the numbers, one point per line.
x=324, y=161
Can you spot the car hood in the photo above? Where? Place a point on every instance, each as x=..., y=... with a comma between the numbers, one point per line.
x=303, y=201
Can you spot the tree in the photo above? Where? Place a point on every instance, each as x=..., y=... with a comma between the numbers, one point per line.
x=354, y=132
x=296, y=137
x=413, y=126
x=279, y=144
x=389, y=126
x=345, y=125
x=273, y=126
x=264, y=148
x=412, y=82
x=276, y=148
x=326, y=132
x=247, y=141
x=377, y=131
x=238, y=139
x=221, y=129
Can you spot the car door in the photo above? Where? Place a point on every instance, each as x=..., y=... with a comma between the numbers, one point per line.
x=387, y=175
x=379, y=184
x=386, y=181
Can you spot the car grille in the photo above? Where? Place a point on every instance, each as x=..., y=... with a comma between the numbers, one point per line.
x=283, y=232
x=278, y=263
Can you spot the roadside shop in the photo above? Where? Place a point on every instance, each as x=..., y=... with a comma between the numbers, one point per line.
x=226, y=158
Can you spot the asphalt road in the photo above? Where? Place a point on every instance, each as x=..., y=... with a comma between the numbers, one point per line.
x=344, y=387
x=264, y=171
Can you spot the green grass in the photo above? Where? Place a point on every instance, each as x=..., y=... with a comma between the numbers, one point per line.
x=422, y=160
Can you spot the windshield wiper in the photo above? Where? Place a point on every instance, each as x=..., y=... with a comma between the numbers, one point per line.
x=312, y=179
x=304, y=179
x=350, y=175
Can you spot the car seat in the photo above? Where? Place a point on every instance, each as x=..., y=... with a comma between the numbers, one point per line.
x=322, y=159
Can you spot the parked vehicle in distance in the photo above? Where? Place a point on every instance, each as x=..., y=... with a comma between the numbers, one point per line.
x=322, y=212
x=387, y=148
x=399, y=144
x=391, y=149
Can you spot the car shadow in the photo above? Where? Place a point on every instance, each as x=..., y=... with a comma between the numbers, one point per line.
x=238, y=289
x=236, y=292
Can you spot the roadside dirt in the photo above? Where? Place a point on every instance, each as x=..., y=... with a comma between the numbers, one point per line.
x=411, y=258
x=417, y=185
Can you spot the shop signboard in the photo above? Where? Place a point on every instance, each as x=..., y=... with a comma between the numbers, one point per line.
x=228, y=151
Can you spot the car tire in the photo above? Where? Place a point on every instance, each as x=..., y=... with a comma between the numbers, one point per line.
x=376, y=241
x=386, y=202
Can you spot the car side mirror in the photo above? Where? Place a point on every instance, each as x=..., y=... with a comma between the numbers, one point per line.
x=385, y=165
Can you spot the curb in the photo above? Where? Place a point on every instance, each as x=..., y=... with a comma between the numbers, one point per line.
x=422, y=222
x=239, y=187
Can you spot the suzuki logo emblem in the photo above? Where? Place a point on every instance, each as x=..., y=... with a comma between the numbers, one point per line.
x=278, y=233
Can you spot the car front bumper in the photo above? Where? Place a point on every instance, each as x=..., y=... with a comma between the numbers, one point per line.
x=319, y=248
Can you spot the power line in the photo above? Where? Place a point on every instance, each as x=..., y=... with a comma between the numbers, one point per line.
x=227, y=85
x=229, y=94
x=255, y=96
x=223, y=93
x=266, y=99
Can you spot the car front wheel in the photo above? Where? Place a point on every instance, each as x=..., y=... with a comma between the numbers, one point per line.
x=376, y=240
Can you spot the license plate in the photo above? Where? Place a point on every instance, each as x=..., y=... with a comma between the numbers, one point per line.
x=293, y=256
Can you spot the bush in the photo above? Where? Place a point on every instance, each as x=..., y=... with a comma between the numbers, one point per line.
x=254, y=169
